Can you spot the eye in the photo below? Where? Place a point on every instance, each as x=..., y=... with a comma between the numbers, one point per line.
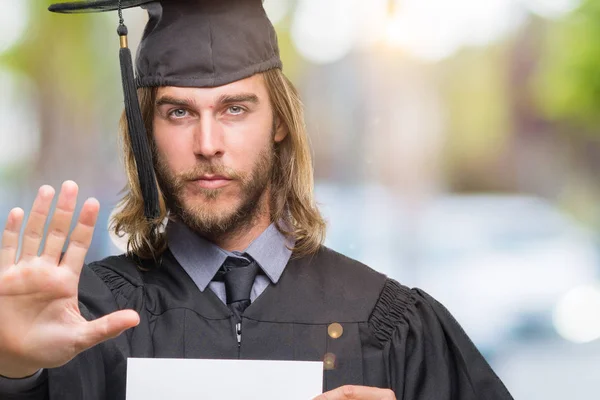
x=235, y=110
x=178, y=113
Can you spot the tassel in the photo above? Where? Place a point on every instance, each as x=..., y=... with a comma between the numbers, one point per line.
x=137, y=130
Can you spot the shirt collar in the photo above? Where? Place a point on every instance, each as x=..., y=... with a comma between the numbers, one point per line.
x=201, y=259
x=271, y=250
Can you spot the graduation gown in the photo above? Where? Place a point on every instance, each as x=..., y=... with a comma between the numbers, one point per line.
x=393, y=337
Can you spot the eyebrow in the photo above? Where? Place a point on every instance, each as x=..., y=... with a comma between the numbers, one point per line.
x=223, y=99
x=238, y=98
x=174, y=101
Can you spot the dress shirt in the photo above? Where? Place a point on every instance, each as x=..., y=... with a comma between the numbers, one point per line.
x=202, y=259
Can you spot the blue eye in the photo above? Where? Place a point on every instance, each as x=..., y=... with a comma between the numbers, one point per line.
x=235, y=110
x=178, y=113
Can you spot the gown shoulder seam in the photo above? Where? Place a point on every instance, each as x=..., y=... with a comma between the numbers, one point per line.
x=390, y=311
x=121, y=284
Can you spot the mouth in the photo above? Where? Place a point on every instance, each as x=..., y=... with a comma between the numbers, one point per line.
x=211, y=181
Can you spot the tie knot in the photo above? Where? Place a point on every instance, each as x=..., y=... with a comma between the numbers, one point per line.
x=238, y=274
x=242, y=260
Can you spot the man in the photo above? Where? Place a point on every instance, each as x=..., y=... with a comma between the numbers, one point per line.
x=240, y=270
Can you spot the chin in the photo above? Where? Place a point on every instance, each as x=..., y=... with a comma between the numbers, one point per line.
x=211, y=209
x=195, y=195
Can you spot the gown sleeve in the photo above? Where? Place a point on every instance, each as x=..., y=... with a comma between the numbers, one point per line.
x=34, y=387
x=427, y=354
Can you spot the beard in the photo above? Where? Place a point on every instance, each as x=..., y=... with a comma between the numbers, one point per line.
x=204, y=211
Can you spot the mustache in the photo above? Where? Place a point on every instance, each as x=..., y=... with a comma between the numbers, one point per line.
x=200, y=170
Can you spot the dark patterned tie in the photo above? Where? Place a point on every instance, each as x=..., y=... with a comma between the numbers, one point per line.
x=238, y=274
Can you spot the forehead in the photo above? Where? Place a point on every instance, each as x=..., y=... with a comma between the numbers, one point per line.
x=252, y=85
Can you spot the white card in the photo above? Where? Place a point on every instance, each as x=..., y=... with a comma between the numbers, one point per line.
x=186, y=379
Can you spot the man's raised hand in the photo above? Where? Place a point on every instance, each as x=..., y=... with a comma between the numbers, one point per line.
x=40, y=322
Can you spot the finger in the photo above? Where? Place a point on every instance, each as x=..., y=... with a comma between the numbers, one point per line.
x=107, y=327
x=10, y=238
x=61, y=222
x=34, y=229
x=350, y=392
x=81, y=238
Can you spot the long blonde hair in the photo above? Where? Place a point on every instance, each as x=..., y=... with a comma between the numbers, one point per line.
x=293, y=208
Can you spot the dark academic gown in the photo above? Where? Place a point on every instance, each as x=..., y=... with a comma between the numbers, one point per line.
x=393, y=337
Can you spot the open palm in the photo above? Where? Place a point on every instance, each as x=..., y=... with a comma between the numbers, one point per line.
x=41, y=325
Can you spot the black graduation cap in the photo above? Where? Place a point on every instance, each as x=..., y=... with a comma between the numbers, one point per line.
x=186, y=43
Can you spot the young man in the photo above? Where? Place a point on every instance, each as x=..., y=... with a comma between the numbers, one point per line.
x=240, y=270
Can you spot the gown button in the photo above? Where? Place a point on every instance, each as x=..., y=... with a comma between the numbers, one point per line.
x=335, y=330
x=329, y=362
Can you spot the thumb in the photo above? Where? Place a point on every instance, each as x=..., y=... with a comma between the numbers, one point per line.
x=107, y=327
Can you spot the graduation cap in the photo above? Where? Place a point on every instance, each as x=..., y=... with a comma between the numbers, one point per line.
x=186, y=43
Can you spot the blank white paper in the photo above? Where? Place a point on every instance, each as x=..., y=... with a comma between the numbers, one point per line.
x=185, y=379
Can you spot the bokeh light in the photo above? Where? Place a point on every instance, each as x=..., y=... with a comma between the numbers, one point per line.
x=435, y=29
x=324, y=32
x=19, y=120
x=277, y=9
x=577, y=314
x=431, y=30
x=13, y=22
x=552, y=8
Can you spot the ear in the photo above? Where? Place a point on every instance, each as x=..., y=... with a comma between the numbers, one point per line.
x=281, y=130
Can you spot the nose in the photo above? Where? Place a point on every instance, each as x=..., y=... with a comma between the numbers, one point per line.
x=208, y=139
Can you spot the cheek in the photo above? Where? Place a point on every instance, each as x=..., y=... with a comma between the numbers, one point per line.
x=246, y=145
x=173, y=149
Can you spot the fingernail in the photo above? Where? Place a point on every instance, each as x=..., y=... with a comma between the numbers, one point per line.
x=16, y=211
x=46, y=191
x=69, y=183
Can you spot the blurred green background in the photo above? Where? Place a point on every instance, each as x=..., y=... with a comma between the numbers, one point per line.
x=456, y=147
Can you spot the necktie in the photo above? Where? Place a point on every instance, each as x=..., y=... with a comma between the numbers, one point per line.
x=238, y=274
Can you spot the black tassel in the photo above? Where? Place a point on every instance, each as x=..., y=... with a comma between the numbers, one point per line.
x=137, y=131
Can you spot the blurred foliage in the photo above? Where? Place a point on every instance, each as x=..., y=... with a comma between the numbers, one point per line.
x=293, y=63
x=478, y=118
x=58, y=51
x=475, y=87
x=72, y=62
x=567, y=86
